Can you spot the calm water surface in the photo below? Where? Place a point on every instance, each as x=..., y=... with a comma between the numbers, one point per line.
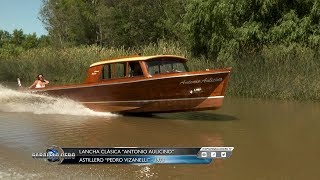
x=272, y=139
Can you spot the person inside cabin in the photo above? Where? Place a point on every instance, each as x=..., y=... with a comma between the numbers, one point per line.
x=135, y=69
x=40, y=82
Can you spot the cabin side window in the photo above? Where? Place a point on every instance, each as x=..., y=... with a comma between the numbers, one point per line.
x=135, y=69
x=118, y=70
x=153, y=67
x=113, y=71
x=106, y=72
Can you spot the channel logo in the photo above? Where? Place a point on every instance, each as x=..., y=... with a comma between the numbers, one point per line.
x=53, y=154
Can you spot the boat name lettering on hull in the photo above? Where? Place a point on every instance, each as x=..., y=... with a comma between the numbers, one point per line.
x=206, y=80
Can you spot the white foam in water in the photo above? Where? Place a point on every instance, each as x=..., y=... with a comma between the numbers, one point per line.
x=15, y=101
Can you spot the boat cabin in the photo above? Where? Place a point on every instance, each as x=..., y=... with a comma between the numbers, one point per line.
x=134, y=67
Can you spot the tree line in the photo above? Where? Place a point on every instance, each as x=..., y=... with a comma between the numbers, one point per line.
x=124, y=23
x=17, y=41
x=213, y=28
x=219, y=29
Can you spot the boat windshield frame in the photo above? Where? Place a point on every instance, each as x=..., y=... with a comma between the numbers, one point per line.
x=167, y=63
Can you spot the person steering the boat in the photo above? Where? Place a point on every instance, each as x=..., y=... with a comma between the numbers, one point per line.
x=40, y=82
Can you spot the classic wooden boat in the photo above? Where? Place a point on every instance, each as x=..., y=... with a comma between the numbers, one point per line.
x=146, y=84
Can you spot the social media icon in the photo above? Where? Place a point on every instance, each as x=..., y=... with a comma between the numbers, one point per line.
x=223, y=154
x=204, y=154
x=213, y=154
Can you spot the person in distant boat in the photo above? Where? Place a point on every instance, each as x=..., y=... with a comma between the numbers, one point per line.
x=40, y=82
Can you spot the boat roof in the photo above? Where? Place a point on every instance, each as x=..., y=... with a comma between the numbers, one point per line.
x=137, y=58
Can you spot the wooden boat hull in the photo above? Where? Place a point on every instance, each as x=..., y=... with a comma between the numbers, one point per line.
x=190, y=91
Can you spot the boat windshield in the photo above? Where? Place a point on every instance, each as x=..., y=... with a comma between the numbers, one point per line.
x=163, y=66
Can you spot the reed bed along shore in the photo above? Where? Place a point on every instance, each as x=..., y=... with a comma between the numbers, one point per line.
x=277, y=72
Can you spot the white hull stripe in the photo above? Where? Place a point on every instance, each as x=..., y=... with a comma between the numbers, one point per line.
x=154, y=100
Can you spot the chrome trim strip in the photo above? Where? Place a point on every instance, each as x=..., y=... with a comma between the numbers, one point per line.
x=150, y=100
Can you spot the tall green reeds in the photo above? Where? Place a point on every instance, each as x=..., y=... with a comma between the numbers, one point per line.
x=280, y=72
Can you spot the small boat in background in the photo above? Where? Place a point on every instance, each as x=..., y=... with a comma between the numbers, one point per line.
x=146, y=84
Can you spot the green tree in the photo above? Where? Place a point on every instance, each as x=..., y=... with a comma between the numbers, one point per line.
x=220, y=28
x=17, y=37
x=43, y=41
x=17, y=41
x=30, y=41
x=114, y=23
x=69, y=21
x=5, y=38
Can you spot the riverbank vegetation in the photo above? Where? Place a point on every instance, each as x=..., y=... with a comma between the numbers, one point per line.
x=273, y=46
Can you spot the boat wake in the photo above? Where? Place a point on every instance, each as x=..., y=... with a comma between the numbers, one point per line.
x=15, y=101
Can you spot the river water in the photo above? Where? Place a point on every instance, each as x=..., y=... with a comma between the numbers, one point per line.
x=272, y=139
